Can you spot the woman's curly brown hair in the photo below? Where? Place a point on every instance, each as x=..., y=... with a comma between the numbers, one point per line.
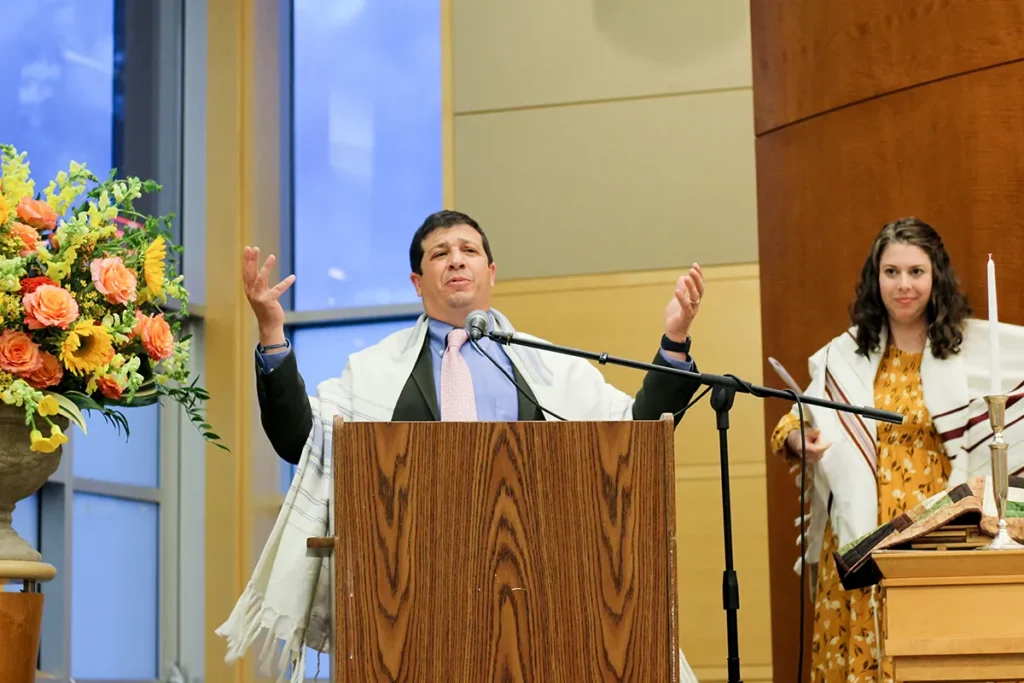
x=947, y=310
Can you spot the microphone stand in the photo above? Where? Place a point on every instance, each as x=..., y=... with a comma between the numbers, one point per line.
x=723, y=392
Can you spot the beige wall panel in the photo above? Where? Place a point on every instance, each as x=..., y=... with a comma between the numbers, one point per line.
x=623, y=315
x=538, y=52
x=700, y=558
x=619, y=186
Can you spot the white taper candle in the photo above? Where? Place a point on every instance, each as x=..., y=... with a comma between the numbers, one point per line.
x=995, y=382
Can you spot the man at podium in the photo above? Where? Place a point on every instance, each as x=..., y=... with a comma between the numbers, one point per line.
x=430, y=372
x=425, y=372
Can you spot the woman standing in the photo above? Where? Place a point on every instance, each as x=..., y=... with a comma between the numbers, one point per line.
x=911, y=350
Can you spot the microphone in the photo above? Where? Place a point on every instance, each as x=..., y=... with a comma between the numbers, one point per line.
x=477, y=323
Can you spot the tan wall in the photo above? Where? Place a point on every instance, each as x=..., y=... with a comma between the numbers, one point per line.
x=597, y=139
x=604, y=146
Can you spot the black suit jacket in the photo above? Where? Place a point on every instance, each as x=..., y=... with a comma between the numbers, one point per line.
x=287, y=417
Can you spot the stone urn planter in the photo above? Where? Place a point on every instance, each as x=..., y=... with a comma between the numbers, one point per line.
x=22, y=473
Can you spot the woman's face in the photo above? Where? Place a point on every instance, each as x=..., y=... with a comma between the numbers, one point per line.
x=905, y=281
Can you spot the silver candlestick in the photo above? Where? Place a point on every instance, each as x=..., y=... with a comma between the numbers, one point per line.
x=1000, y=475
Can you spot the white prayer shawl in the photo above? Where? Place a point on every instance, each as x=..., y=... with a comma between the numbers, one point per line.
x=954, y=390
x=288, y=596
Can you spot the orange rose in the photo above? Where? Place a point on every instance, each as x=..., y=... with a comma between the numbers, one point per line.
x=48, y=375
x=109, y=387
x=28, y=236
x=19, y=354
x=49, y=306
x=113, y=279
x=156, y=336
x=38, y=214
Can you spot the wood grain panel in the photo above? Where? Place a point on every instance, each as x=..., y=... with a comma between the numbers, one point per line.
x=21, y=617
x=811, y=56
x=952, y=153
x=505, y=552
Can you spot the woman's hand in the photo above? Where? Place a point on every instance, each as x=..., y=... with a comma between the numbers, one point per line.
x=816, y=447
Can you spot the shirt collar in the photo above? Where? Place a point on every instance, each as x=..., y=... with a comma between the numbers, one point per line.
x=438, y=331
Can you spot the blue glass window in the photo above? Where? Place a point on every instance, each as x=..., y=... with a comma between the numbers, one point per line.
x=58, y=84
x=26, y=519
x=114, y=588
x=367, y=146
x=106, y=454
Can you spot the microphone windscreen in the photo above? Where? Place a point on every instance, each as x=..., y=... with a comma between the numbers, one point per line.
x=477, y=323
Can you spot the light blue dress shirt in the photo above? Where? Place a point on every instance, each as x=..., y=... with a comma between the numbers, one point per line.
x=497, y=399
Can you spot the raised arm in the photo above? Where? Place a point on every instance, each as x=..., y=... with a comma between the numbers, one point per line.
x=284, y=407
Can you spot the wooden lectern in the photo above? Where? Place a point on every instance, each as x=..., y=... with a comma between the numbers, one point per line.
x=954, y=615
x=512, y=551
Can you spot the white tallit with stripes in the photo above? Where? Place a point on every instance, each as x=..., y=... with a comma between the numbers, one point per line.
x=954, y=391
x=288, y=597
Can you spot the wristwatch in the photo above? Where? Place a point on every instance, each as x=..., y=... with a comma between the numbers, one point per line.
x=670, y=345
x=263, y=349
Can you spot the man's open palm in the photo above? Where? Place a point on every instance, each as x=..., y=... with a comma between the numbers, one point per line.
x=264, y=299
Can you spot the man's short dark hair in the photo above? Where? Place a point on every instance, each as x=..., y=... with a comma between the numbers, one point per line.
x=440, y=221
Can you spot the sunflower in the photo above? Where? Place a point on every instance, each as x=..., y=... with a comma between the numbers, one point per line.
x=153, y=265
x=87, y=348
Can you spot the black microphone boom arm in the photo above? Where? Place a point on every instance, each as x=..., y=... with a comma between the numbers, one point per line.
x=728, y=382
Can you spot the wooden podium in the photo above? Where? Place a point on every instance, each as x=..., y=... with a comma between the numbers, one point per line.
x=512, y=551
x=954, y=615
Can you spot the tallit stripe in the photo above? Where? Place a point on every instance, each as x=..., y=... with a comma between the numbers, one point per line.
x=853, y=423
x=968, y=405
x=851, y=427
x=991, y=434
x=867, y=432
x=978, y=419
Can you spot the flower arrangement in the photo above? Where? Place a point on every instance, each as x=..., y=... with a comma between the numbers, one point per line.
x=84, y=287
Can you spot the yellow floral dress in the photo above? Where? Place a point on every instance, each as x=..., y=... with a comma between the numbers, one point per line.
x=912, y=465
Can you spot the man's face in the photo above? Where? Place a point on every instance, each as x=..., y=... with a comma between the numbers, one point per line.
x=456, y=277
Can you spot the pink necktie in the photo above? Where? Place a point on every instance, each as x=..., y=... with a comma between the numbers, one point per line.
x=458, y=404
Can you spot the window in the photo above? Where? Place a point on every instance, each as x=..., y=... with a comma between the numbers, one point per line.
x=98, y=82
x=366, y=170
x=114, y=587
x=367, y=147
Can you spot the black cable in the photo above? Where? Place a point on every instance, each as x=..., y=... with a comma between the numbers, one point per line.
x=803, y=535
x=514, y=382
x=692, y=403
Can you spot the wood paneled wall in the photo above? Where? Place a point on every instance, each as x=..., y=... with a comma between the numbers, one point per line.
x=866, y=112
